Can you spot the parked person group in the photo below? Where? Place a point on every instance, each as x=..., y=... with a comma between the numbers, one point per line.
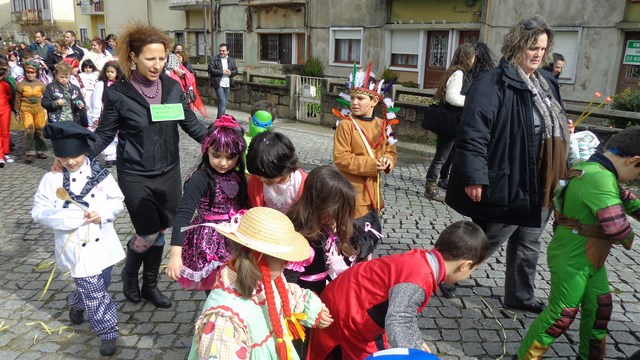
x=241, y=237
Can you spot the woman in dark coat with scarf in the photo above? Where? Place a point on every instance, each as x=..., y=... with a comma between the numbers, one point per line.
x=511, y=152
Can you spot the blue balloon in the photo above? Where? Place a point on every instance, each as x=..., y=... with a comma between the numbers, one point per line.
x=402, y=353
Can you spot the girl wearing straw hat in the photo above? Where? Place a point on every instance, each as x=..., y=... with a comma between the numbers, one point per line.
x=252, y=312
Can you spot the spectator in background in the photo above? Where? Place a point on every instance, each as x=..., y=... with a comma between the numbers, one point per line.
x=556, y=65
x=70, y=40
x=222, y=68
x=111, y=44
x=60, y=53
x=40, y=46
x=178, y=49
x=99, y=54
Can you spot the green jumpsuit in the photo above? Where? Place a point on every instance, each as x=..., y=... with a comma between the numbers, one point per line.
x=591, y=211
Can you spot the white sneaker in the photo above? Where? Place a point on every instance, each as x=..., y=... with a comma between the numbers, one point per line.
x=8, y=159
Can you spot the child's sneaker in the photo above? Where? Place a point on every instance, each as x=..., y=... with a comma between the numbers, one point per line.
x=108, y=347
x=8, y=159
x=1, y=163
x=76, y=316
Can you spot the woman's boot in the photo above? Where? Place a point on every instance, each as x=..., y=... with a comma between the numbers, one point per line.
x=129, y=275
x=150, y=291
x=433, y=192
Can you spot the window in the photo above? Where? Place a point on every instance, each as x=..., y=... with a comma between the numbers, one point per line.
x=567, y=43
x=84, y=37
x=404, y=49
x=235, y=43
x=346, y=46
x=276, y=48
x=200, y=41
x=438, y=50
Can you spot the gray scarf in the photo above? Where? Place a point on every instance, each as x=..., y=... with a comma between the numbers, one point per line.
x=554, y=121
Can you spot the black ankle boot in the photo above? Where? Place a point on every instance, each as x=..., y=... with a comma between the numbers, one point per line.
x=150, y=290
x=107, y=347
x=129, y=275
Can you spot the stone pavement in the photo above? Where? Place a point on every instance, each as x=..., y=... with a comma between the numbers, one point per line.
x=474, y=325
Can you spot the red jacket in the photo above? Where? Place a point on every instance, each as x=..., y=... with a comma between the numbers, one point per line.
x=358, y=301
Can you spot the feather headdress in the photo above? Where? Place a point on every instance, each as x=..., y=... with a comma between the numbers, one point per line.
x=364, y=82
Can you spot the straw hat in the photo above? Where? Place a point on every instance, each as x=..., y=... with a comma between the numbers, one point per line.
x=269, y=232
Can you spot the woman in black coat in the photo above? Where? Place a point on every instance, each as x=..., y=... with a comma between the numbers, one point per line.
x=511, y=150
x=148, y=159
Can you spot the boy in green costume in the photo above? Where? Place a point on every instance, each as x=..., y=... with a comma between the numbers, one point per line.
x=590, y=212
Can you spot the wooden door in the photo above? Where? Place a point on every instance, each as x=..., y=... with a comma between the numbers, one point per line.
x=469, y=37
x=300, y=49
x=629, y=75
x=436, y=59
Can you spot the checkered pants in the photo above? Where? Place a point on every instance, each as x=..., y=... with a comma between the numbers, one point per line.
x=92, y=296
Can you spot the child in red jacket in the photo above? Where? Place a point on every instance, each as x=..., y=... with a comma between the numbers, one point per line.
x=381, y=311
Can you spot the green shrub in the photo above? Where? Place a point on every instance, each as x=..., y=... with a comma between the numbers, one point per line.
x=388, y=75
x=313, y=67
x=628, y=100
x=409, y=84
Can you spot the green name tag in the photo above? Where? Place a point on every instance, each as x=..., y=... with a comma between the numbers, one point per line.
x=167, y=112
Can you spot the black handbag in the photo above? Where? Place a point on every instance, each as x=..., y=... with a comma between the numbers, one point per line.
x=440, y=119
x=367, y=233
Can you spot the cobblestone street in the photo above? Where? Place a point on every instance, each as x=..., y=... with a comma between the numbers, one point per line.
x=474, y=325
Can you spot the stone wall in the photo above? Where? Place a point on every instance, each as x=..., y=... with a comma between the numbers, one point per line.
x=277, y=89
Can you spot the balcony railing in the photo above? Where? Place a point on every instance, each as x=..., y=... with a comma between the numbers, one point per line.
x=91, y=7
x=32, y=16
x=188, y=4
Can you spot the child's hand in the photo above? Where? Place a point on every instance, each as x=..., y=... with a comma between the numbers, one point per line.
x=425, y=347
x=384, y=164
x=60, y=102
x=92, y=217
x=174, y=266
x=57, y=166
x=325, y=318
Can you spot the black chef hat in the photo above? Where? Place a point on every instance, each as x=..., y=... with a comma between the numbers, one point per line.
x=69, y=139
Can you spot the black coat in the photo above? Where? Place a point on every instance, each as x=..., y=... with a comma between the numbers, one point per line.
x=215, y=70
x=54, y=92
x=144, y=147
x=496, y=147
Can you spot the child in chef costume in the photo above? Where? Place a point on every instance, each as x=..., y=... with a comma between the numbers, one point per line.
x=85, y=241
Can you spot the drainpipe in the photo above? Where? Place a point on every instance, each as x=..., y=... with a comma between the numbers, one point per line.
x=307, y=25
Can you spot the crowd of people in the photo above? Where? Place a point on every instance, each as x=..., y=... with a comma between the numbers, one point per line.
x=285, y=257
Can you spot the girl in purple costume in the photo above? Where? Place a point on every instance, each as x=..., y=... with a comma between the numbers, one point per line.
x=216, y=191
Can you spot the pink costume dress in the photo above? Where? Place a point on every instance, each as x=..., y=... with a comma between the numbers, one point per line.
x=203, y=249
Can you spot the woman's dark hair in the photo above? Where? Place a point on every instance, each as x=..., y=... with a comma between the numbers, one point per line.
x=271, y=155
x=88, y=63
x=484, y=61
x=108, y=64
x=463, y=240
x=327, y=199
x=462, y=60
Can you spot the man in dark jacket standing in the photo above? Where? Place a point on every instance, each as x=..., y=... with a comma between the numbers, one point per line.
x=70, y=40
x=222, y=68
x=40, y=46
x=511, y=151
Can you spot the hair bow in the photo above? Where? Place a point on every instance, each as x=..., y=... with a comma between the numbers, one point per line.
x=368, y=227
x=226, y=121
